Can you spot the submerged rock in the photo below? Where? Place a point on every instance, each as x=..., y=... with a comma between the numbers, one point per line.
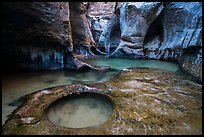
x=156, y=103
x=17, y=102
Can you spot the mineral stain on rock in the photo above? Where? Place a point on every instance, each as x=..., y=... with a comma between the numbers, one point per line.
x=47, y=36
x=163, y=104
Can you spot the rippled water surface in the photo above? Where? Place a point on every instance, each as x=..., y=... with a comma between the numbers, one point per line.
x=16, y=85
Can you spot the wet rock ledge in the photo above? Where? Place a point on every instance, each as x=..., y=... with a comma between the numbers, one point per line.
x=153, y=103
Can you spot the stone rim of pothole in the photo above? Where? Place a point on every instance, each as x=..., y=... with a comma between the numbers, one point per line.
x=103, y=98
x=133, y=113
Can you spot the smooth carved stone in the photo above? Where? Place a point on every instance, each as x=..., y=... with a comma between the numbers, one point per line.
x=181, y=29
x=38, y=36
x=156, y=103
x=85, y=66
x=182, y=23
x=81, y=32
x=99, y=14
x=135, y=18
x=174, y=35
x=35, y=35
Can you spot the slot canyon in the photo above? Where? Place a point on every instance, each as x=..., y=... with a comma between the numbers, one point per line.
x=101, y=68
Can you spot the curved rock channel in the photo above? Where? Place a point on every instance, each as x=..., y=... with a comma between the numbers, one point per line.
x=147, y=101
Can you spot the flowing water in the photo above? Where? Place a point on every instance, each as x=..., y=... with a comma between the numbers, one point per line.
x=16, y=85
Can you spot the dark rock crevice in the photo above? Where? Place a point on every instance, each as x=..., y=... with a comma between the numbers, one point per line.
x=166, y=31
x=81, y=33
x=38, y=36
x=45, y=35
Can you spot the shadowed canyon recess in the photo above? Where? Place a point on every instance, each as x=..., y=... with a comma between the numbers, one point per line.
x=118, y=68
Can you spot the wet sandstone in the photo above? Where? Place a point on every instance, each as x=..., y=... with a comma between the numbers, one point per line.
x=153, y=103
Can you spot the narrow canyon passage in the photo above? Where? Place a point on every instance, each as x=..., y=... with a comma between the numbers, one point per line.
x=27, y=82
x=102, y=68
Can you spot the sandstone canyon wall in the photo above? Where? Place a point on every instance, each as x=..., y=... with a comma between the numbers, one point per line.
x=83, y=39
x=48, y=35
x=34, y=35
x=38, y=36
x=169, y=31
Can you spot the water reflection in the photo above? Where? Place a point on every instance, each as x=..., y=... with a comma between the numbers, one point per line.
x=121, y=63
x=16, y=85
x=93, y=76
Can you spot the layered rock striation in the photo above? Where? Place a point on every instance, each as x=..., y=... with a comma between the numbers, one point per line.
x=47, y=35
x=83, y=39
x=155, y=30
x=38, y=35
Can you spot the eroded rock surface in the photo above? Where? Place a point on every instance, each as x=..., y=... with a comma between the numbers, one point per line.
x=34, y=34
x=99, y=15
x=182, y=35
x=135, y=18
x=156, y=103
x=38, y=35
x=155, y=30
x=83, y=40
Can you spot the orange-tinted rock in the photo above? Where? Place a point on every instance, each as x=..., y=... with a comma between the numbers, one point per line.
x=34, y=35
x=156, y=103
x=83, y=40
x=37, y=35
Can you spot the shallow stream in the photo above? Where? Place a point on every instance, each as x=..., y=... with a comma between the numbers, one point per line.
x=16, y=85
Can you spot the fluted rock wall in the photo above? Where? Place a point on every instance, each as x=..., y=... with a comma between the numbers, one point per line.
x=135, y=18
x=46, y=35
x=169, y=31
x=83, y=39
x=38, y=35
x=99, y=15
x=181, y=39
x=34, y=35
x=183, y=32
x=125, y=32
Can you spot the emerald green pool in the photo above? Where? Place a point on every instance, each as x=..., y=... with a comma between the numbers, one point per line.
x=122, y=63
x=16, y=85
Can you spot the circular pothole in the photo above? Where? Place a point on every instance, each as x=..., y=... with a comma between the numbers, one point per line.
x=86, y=109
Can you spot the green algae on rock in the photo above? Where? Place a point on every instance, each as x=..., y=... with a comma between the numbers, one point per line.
x=147, y=101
